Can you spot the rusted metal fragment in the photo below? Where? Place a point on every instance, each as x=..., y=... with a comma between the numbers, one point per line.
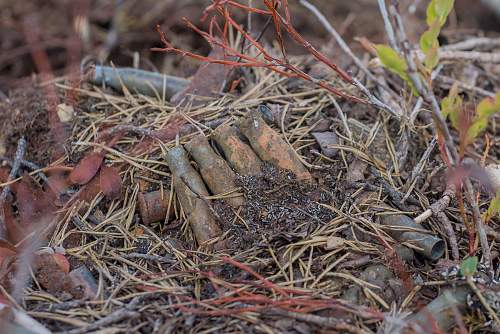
x=404, y=229
x=238, y=153
x=153, y=206
x=191, y=192
x=440, y=313
x=138, y=81
x=217, y=174
x=270, y=147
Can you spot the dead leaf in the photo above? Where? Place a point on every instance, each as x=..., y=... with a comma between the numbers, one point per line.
x=6, y=253
x=62, y=262
x=110, y=182
x=165, y=134
x=356, y=171
x=325, y=140
x=58, y=184
x=87, y=168
x=89, y=191
x=334, y=243
x=208, y=80
x=34, y=205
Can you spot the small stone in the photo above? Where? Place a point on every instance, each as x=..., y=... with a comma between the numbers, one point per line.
x=65, y=112
x=325, y=140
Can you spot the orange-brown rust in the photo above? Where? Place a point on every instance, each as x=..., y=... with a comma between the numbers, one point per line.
x=191, y=191
x=217, y=174
x=239, y=154
x=153, y=206
x=270, y=147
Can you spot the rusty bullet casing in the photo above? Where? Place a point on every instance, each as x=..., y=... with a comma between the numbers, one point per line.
x=403, y=228
x=217, y=174
x=270, y=147
x=238, y=153
x=138, y=81
x=153, y=206
x=190, y=189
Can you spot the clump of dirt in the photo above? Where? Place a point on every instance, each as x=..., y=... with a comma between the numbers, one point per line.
x=24, y=113
x=276, y=206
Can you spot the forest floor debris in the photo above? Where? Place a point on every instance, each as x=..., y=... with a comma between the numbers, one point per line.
x=266, y=205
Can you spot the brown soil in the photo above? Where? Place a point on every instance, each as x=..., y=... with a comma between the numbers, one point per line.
x=276, y=207
x=24, y=113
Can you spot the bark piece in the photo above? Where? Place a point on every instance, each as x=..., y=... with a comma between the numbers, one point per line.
x=190, y=190
x=270, y=147
x=208, y=81
x=217, y=174
x=238, y=153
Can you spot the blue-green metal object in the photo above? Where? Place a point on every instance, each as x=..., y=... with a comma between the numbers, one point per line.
x=138, y=81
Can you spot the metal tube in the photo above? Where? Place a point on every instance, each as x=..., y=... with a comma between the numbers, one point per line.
x=238, y=153
x=138, y=81
x=217, y=174
x=404, y=229
x=153, y=206
x=271, y=147
x=190, y=191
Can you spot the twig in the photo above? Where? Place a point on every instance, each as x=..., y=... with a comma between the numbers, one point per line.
x=451, y=154
x=480, y=57
x=29, y=164
x=388, y=26
x=343, y=45
x=147, y=257
x=472, y=43
x=438, y=206
x=21, y=149
x=329, y=322
x=452, y=238
x=463, y=86
x=116, y=316
x=417, y=170
x=483, y=301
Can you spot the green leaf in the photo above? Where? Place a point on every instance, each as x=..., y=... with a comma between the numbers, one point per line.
x=494, y=208
x=429, y=38
x=451, y=106
x=486, y=108
x=439, y=10
x=432, y=58
x=391, y=59
x=468, y=267
x=395, y=63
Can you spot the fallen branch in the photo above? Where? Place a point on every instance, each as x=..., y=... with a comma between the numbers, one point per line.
x=16, y=165
x=329, y=322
